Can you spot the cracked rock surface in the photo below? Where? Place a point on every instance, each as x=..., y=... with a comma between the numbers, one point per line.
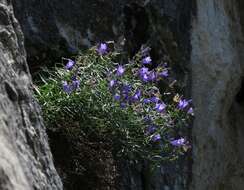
x=25, y=158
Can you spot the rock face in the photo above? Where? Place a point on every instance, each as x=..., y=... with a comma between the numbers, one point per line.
x=218, y=94
x=25, y=158
x=211, y=57
x=62, y=27
x=57, y=28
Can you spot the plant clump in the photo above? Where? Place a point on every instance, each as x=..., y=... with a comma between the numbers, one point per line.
x=122, y=103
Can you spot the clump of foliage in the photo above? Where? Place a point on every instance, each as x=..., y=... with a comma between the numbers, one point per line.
x=120, y=102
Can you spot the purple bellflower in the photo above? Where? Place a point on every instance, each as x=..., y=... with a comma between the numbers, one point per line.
x=145, y=78
x=178, y=142
x=143, y=70
x=112, y=83
x=120, y=70
x=164, y=74
x=147, y=60
x=75, y=84
x=152, y=76
x=154, y=99
x=66, y=87
x=156, y=137
x=147, y=101
x=102, y=49
x=183, y=103
x=117, y=97
x=190, y=111
x=136, y=96
x=160, y=107
x=70, y=64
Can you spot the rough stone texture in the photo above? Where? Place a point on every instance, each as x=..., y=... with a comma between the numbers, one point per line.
x=25, y=158
x=217, y=67
x=59, y=28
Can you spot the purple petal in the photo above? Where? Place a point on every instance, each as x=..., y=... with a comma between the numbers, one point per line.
x=146, y=101
x=156, y=137
x=155, y=99
x=147, y=60
x=164, y=73
x=152, y=76
x=136, y=96
x=183, y=103
x=178, y=142
x=190, y=111
x=160, y=107
x=117, y=97
x=76, y=84
x=120, y=70
x=102, y=48
x=145, y=78
x=143, y=70
x=112, y=83
x=66, y=87
x=70, y=64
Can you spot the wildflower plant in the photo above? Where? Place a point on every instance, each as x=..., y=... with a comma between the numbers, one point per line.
x=121, y=102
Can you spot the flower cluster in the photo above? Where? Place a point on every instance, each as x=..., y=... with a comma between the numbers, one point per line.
x=73, y=83
x=134, y=88
x=134, y=85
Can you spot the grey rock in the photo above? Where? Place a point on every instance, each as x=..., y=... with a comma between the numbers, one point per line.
x=217, y=78
x=25, y=158
x=60, y=28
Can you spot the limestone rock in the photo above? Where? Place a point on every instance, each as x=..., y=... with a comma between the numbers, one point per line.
x=25, y=158
x=217, y=69
x=58, y=28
